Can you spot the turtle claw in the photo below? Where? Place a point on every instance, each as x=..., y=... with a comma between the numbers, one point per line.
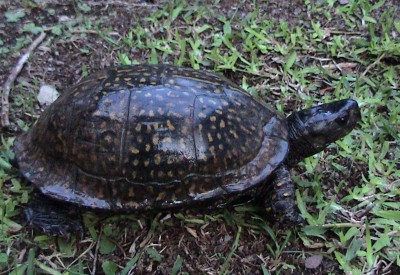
x=287, y=214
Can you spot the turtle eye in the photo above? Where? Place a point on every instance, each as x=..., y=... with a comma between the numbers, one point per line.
x=342, y=119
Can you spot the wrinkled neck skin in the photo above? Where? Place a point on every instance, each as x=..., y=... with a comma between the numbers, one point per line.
x=299, y=147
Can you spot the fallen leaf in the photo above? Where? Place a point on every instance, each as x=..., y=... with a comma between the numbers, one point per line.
x=313, y=261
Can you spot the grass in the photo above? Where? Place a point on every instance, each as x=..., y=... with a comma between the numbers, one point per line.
x=349, y=194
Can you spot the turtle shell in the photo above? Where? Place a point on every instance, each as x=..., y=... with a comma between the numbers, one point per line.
x=152, y=137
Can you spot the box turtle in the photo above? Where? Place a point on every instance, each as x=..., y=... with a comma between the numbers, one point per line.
x=159, y=137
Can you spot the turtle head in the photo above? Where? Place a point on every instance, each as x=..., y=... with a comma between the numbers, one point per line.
x=312, y=130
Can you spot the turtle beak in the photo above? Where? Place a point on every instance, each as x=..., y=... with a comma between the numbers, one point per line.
x=348, y=108
x=356, y=110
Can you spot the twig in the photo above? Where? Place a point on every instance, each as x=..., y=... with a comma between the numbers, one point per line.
x=340, y=65
x=11, y=78
x=93, y=32
x=372, y=65
x=96, y=252
x=365, y=211
x=82, y=254
x=120, y=3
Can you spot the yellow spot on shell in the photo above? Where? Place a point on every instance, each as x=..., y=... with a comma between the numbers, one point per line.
x=146, y=162
x=202, y=115
x=233, y=132
x=182, y=143
x=157, y=159
x=170, y=126
x=108, y=138
x=192, y=188
x=160, y=196
x=185, y=130
x=213, y=118
x=142, y=80
x=151, y=113
x=112, y=158
x=148, y=146
x=138, y=127
x=113, y=115
x=136, y=162
x=156, y=140
x=212, y=150
x=210, y=138
x=222, y=124
x=167, y=139
x=161, y=174
x=134, y=150
x=175, y=114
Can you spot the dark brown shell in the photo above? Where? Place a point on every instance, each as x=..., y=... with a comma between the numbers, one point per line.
x=152, y=137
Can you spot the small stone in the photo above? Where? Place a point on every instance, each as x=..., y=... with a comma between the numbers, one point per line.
x=344, y=2
x=47, y=95
x=313, y=261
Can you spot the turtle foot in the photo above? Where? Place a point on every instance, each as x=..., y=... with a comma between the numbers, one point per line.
x=283, y=200
x=53, y=218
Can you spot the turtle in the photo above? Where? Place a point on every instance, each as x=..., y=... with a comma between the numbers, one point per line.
x=161, y=138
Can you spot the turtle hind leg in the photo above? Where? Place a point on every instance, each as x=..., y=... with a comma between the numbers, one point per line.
x=53, y=218
x=283, y=202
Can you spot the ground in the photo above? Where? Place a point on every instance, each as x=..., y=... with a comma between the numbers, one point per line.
x=292, y=54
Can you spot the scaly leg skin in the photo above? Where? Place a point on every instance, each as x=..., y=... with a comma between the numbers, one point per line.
x=53, y=218
x=283, y=202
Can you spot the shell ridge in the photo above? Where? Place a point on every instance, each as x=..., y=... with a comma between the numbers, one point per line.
x=69, y=150
x=193, y=134
x=122, y=149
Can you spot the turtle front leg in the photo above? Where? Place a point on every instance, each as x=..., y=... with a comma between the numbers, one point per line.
x=283, y=203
